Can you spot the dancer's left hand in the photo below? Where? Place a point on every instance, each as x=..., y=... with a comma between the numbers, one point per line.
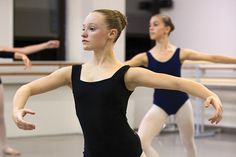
x=216, y=103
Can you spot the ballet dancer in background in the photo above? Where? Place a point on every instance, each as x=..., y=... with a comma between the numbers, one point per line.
x=167, y=58
x=17, y=53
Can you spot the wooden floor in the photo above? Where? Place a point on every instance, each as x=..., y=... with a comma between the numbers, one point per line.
x=168, y=145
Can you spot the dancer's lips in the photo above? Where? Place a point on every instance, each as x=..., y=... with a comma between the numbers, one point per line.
x=84, y=41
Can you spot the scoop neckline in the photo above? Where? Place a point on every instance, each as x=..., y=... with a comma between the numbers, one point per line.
x=105, y=79
x=166, y=61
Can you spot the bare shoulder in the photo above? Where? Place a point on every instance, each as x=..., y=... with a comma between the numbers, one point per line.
x=64, y=73
x=133, y=77
x=186, y=50
x=138, y=60
x=132, y=72
x=135, y=73
x=66, y=70
x=142, y=56
x=185, y=53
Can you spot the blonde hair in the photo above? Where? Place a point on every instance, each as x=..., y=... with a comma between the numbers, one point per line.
x=114, y=20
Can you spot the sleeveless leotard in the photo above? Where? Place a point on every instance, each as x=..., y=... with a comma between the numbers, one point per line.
x=169, y=100
x=101, y=110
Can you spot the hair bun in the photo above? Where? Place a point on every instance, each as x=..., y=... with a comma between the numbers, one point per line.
x=122, y=18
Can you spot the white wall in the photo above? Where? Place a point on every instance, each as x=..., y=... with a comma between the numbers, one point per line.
x=205, y=25
x=76, y=12
x=6, y=18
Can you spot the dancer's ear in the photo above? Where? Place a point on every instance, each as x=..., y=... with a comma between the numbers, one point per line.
x=113, y=34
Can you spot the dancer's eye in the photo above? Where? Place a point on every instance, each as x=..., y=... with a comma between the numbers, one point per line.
x=92, y=28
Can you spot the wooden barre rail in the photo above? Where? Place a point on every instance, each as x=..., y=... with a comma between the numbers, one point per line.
x=217, y=82
x=205, y=81
x=24, y=73
x=39, y=63
x=57, y=64
x=187, y=64
x=209, y=66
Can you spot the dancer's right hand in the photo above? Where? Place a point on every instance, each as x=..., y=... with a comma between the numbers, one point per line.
x=52, y=44
x=24, y=58
x=18, y=116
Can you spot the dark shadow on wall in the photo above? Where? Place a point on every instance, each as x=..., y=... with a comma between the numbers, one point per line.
x=39, y=21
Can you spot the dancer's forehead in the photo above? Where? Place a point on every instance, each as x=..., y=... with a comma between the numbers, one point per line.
x=156, y=19
x=94, y=18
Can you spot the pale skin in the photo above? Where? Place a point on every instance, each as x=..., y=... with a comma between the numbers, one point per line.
x=19, y=53
x=155, y=118
x=98, y=38
x=51, y=44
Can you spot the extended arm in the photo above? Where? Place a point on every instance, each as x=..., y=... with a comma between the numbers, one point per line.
x=188, y=54
x=34, y=48
x=56, y=79
x=138, y=60
x=141, y=77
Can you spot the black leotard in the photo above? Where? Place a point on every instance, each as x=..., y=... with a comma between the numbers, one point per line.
x=6, y=54
x=101, y=110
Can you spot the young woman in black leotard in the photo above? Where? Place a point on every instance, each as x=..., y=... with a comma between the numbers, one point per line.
x=167, y=58
x=101, y=89
x=17, y=53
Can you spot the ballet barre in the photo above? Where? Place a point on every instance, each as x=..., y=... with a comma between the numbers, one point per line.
x=12, y=72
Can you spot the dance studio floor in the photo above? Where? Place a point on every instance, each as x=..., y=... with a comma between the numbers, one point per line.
x=168, y=145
